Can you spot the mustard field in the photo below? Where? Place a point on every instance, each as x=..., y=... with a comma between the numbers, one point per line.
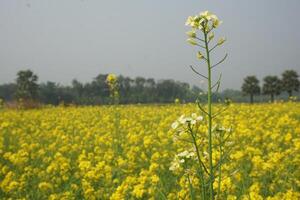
x=125, y=152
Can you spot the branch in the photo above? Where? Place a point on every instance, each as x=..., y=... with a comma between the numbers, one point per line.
x=210, y=30
x=199, y=45
x=219, y=112
x=197, y=151
x=200, y=39
x=197, y=72
x=202, y=109
x=217, y=90
x=227, y=138
x=213, y=48
x=220, y=61
x=224, y=157
x=218, y=82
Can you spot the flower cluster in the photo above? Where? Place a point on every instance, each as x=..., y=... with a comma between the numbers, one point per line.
x=184, y=121
x=181, y=158
x=112, y=82
x=205, y=21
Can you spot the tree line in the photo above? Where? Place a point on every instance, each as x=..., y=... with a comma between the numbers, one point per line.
x=141, y=90
x=136, y=90
x=272, y=85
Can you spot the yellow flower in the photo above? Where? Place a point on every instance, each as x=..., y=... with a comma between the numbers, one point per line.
x=138, y=191
x=155, y=179
x=46, y=187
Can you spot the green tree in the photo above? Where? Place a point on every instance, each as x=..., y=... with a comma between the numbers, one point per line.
x=290, y=82
x=27, y=87
x=7, y=91
x=48, y=93
x=272, y=86
x=251, y=87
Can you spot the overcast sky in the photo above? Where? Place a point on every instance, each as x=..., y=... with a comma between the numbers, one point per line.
x=65, y=39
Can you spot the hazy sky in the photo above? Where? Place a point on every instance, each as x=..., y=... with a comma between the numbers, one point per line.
x=65, y=39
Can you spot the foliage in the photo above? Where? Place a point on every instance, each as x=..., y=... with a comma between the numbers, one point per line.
x=7, y=91
x=138, y=90
x=290, y=81
x=66, y=153
x=272, y=86
x=251, y=86
x=27, y=87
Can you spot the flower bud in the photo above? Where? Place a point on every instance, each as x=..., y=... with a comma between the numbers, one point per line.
x=191, y=34
x=216, y=23
x=189, y=21
x=192, y=41
x=211, y=36
x=199, y=55
x=221, y=41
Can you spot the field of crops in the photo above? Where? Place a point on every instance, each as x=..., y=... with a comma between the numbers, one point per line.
x=125, y=152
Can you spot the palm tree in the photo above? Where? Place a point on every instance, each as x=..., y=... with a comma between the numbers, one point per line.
x=251, y=86
x=272, y=86
x=290, y=81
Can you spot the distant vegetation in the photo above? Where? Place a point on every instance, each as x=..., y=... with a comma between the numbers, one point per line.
x=272, y=86
x=142, y=90
x=137, y=90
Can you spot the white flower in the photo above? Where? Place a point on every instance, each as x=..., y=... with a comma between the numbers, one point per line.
x=188, y=119
x=186, y=154
x=193, y=122
x=175, y=125
x=182, y=119
x=205, y=14
x=190, y=155
x=194, y=115
x=199, y=118
x=189, y=21
x=183, y=154
x=175, y=164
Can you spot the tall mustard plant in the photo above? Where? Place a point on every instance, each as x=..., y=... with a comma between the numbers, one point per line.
x=112, y=82
x=207, y=140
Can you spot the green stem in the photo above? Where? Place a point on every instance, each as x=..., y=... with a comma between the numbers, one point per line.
x=192, y=195
x=191, y=188
x=220, y=167
x=211, y=177
x=201, y=164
